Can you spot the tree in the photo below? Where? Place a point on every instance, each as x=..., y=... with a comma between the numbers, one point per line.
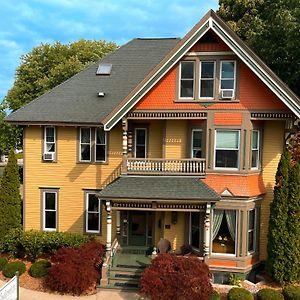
x=10, y=199
x=46, y=66
x=284, y=222
x=272, y=29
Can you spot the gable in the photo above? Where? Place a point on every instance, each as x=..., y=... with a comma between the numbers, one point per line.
x=167, y=67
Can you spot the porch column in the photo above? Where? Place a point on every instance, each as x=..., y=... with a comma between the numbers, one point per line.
x=125, y=143
x=207, y=229
x=118, y=222
x=108, y=226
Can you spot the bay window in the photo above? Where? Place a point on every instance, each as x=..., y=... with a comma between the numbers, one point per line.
x=251, y=230
x=187, y=76
x=255, y=149
x=227, y=145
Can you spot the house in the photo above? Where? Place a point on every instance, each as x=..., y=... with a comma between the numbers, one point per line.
x=164, y=138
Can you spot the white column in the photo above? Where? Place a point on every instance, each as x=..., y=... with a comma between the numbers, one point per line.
x=118, y=222
x=109, y=226
x=206, y=245
x=125, y=144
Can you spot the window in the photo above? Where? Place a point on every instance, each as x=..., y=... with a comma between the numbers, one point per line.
x=49, y=141
x=196, y=143
x=100, y=141
x=227, y=149
x=196, y=230
x=49, y=211
x=104, y=69
x=255, y=145
x=93, y=211
x=207, y=79
x=251, y=230
x=228, y=78
x=85, y=144
x=224, y=231
x=187, y=73
x=140, y=142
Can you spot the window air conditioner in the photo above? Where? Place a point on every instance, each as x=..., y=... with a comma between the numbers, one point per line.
x=49, y=156
x=227, y=94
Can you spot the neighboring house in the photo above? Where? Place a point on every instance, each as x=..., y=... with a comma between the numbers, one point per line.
x=179, y=138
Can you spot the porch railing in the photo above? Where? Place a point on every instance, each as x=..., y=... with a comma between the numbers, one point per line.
x=160, y=166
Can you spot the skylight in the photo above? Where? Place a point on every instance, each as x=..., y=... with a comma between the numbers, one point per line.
x=104, y=69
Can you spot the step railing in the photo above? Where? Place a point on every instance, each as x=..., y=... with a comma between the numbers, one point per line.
x=158, y=166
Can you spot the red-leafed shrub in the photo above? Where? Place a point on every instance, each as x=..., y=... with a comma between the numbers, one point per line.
x=176, y=277
x=75, y=270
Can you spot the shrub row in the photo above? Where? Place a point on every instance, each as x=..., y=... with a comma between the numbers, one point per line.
x=75, y=270
x=32, y=244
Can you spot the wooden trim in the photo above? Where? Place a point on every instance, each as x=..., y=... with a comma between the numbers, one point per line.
x=271, y=115
x=166, y=115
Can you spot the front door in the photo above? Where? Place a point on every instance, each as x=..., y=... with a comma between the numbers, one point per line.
x=137, y=228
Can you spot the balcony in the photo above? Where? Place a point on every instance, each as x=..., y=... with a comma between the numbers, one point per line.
x=161, y=166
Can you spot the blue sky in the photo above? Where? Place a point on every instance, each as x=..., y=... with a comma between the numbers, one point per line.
x=25, y=24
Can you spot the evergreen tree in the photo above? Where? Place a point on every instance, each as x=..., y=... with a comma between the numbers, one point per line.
x=10, y=199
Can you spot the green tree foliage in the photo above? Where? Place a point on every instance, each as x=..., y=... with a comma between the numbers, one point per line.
x=272, y=29
x=10, y=199
x=46, y=66
x=284, y=223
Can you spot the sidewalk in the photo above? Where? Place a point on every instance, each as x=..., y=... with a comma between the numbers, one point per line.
x=26, y=294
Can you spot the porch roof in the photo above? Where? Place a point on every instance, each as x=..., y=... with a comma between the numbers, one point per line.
x=159, y=187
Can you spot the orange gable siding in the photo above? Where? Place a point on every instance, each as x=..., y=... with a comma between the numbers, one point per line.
x=253, y=94
x=244, y=186
x=228, y=118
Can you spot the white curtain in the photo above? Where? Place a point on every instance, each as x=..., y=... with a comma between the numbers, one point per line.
x=230, y=218
x=217, y=219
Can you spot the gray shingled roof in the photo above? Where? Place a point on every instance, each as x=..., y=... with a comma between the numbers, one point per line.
x=159, y=187
x=76, y=101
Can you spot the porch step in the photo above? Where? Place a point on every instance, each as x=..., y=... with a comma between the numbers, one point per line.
x=136, y=250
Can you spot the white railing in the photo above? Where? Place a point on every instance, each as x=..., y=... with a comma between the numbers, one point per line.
x=166, y=166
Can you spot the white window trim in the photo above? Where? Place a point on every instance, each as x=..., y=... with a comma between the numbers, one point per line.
x=44, y=211
x=90, y=144
x=254, y=230
x=258, y=150
x=238, y=149
x=192, y=141
x=87, y=213
x=105, y=144
x=135, y=140
x=236, y=233
x=214, y=79
x=45, y=139
x=234, y=79
x=179, y=91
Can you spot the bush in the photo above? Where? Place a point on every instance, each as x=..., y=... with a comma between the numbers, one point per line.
x=11, y=268
x=176, y=277
x=239, y=294
x=75, y=270
x=32, y=244
x=39, y=268
x=291, y=292
x=234, y=279
x=269, y=294
x=3, y=262
x=215, y=296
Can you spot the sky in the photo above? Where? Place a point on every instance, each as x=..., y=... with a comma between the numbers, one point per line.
x=25, y=24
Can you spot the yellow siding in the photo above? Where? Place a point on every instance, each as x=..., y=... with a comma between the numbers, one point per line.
x=176, y=232
x=155, y=139
x=272, y=149
x=175, y=139
x=70, y=177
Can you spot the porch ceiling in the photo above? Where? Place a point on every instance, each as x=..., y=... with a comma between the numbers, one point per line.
x=159, y=187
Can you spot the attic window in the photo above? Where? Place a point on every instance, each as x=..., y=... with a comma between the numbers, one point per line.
x=104, y=69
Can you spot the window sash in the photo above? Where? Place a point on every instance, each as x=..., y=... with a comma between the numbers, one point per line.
x=252, y=231
x=92, y=213
x=183, y=81
x=49, y=140
x=225, y=80
x=227, y=156
x=204, y=80
x=84, y=144
x=47, y=211
x=100, y=145
x=140, y=147
x=255, y=150
x=195, y=149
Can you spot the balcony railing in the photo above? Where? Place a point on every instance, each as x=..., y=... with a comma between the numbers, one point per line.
x=161, y=166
